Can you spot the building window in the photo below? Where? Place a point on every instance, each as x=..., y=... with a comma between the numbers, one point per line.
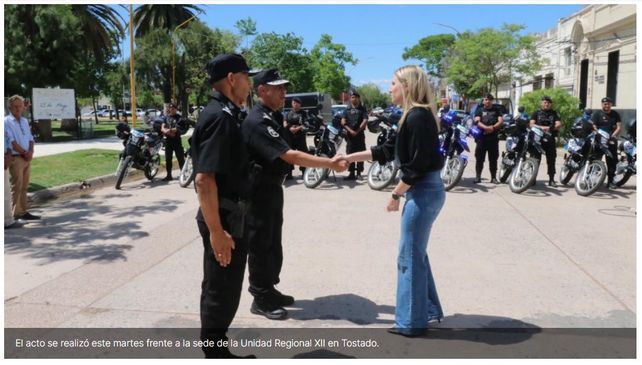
x=537, y=83
x=611, y=77
x=548, y=81
x=568, y=59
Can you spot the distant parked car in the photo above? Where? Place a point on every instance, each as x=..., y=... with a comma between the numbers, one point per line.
x=104, y=113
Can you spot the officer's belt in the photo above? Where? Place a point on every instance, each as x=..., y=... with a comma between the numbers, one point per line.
x=240, y=206
x=272, y=179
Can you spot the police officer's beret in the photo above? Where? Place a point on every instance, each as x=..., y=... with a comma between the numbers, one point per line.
x=223, y=64
x=606, y=99
x=297, y=99
x=547, y=98
x=489, y=96
x=270, y=76
x=355, y=93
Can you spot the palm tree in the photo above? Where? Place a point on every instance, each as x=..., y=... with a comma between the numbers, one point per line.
x=103, y=27
x=168, y=17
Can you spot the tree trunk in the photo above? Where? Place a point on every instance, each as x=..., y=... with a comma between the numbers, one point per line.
x=93, y=102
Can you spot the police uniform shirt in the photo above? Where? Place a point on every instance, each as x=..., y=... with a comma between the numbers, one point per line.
x=355, y=116
x=546, y=118
x=488, y=116
x=606, y=122
x=294, y=118
x=175, y=121
x=218, y=148
x=262, y=132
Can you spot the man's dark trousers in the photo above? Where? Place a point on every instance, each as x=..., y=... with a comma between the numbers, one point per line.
x=489, y=143
x=356, y=144
x=264, y=238
x=221, y=290
x=174, y=145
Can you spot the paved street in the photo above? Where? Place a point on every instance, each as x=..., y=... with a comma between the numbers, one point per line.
x=132, y=258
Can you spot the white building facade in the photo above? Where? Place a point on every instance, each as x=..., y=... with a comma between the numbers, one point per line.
x=591, y=54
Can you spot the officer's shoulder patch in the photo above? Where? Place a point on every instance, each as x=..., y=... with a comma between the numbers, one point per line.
x=227, y=110
x=267, y=116
x=272, y=132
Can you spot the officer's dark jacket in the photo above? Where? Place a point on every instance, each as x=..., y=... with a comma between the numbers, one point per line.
x=218, y=148
x=296, y=119
x=262, y=133
x=488, y=116
x=175, y=121
x=546, y=118
x=607, y=122
x=416, y=147
x=354, y=116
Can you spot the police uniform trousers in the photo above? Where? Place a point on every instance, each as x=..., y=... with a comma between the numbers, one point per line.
x=220, y=290
x=264, y=236
x=297, y=142
x=488, y=143
x=551, y=154
x=611, y=163
x=356, y=144
x=174, y=145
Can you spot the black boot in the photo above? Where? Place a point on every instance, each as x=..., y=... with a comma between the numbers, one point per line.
x=477, y=179
x=551, y=181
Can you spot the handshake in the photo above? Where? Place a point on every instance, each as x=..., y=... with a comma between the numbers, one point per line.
x=339, y=163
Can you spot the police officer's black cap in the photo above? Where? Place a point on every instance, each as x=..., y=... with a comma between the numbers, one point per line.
x=297, y=99
x=221, y=65
x=270, y=76
x=355, y=93
x=489, y=96
x=547, y=98
x=606, y=99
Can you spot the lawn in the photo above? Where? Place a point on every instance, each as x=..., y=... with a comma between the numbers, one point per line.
x=70, y=167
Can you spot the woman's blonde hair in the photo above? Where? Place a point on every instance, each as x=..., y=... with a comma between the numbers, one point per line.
x=416, y=90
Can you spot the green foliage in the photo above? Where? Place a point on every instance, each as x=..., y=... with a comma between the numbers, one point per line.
x=246, y=27
x=372, y=97
x=563, y=102
x=329, y=60
x=148, y=18
x=286, y=53
x=479, y=62
x=431, y=50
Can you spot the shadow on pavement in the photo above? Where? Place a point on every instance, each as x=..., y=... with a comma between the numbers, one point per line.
x=82, y=229
x=348, y=307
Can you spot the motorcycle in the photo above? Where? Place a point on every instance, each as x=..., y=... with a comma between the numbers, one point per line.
x=187, y=173
x=385, y=123
x=592, y=170
x=327, y=141
x=528, y=159
x=453, y=143
x=626, y=166
x=515, y=130
x=141, y=152
x=573, y=158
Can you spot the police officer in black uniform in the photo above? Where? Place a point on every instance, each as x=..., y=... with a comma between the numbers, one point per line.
x=222, y=182
x=263, y=134
x=295, y=122
x=489, y=119
x=355, y=120
x=172, y=128
x=609, y=120
x=549, y=120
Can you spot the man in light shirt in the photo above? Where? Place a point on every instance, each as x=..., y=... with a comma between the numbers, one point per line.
x=21, y=144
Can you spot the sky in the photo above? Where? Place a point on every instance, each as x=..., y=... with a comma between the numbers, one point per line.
x=377, y=34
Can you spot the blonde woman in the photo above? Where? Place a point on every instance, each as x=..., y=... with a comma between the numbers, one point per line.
x=417, y=152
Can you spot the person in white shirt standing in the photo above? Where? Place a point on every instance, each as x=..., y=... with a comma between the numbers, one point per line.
x=21, y=143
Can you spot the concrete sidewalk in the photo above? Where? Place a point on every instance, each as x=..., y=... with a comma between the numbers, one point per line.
x=132, y=258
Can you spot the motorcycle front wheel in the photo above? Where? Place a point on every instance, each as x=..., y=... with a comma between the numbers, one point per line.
x=187, y=173
x=590, y=177
x=380, y=176
x=123, y=167
x=314, y=176
x=622, y=178
x=566, y=174
x=504, y=171
x=452, y=171
x=152, y=167
x=524, y=175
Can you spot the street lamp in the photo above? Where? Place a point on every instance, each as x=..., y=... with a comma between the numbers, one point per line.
x=174, y=56
x=132, y=76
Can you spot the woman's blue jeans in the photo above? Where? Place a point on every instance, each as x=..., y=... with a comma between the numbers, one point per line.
x=417, y=300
